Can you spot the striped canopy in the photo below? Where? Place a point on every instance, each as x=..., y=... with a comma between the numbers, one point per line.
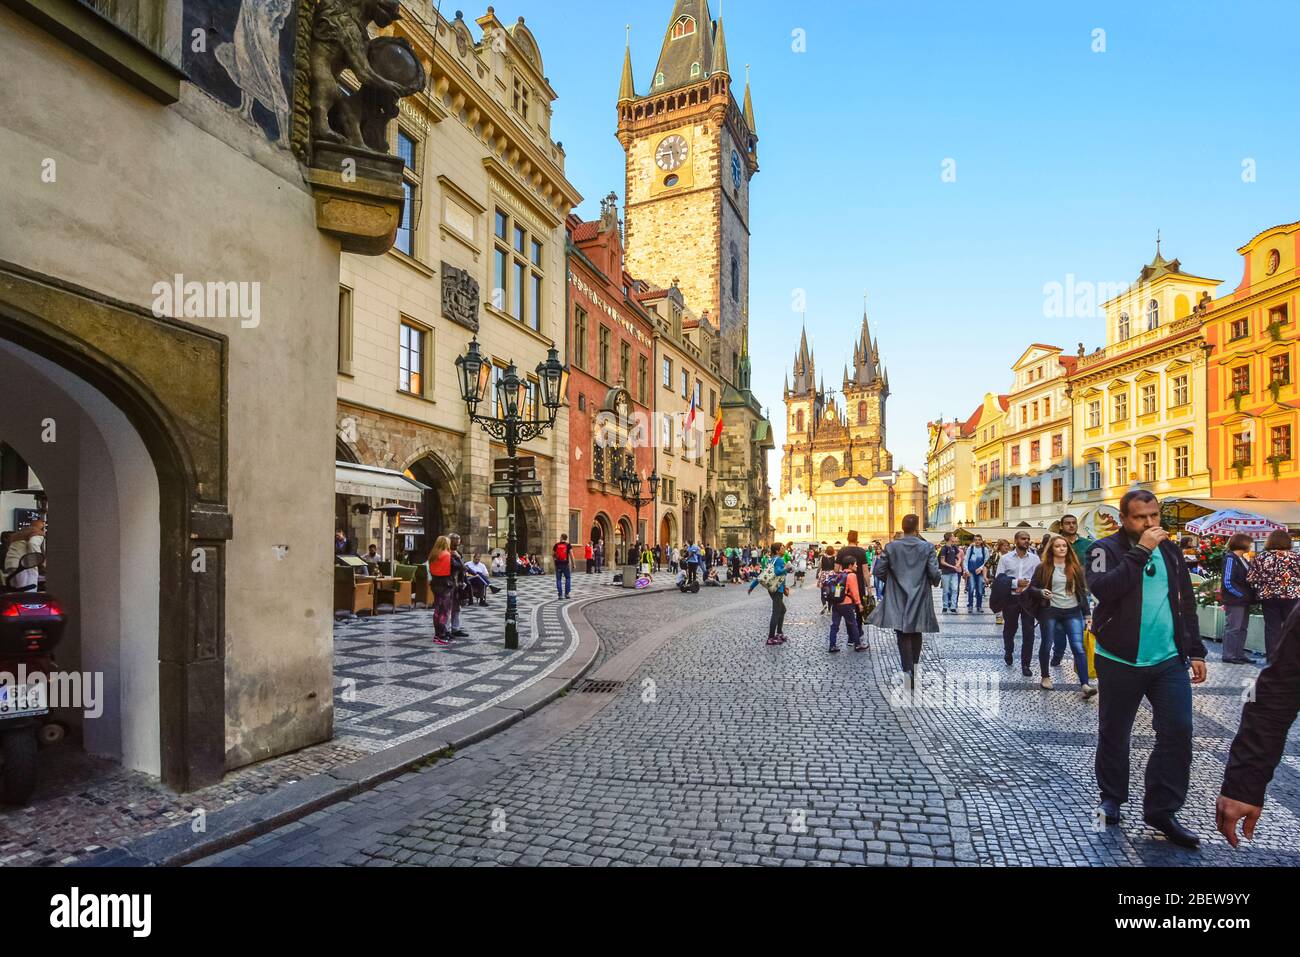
x=1230, y=521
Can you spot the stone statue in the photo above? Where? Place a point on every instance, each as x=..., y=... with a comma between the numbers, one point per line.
x=386, y=66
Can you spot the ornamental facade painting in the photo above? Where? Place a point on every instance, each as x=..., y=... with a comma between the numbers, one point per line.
x=247, y=60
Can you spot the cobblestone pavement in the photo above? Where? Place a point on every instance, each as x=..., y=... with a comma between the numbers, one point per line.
x=391, y=683
x=719, y=750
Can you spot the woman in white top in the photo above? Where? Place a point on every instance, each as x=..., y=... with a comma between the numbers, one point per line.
x=30, y=539
x=1062, y=592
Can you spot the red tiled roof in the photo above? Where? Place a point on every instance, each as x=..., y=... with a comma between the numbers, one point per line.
x=1069, y=362
x=585, y=232
x=1005, y=402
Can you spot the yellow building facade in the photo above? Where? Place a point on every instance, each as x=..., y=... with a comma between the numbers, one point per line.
x=1254, y=399
x=874, y=507
x=1139, y=404
x=987, y=448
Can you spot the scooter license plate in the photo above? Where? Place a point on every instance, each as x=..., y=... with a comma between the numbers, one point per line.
x=18, y=701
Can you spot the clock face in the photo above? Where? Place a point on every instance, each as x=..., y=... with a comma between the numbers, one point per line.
x=735, y=168
x=671, y=153
x=731, y=501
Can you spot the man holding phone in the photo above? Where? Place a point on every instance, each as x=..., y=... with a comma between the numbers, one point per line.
x=1148, y=638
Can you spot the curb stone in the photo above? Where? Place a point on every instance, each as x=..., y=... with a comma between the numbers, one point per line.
x=253, y=817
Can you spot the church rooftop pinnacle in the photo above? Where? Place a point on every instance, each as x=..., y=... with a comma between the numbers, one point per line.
x=627, y=88
x=688, y=50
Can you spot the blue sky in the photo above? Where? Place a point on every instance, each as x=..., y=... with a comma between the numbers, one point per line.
x=1067, y=162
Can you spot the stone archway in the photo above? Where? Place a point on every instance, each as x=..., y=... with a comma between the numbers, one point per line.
x=148, y=488
x=440, y=508
x=668, y=530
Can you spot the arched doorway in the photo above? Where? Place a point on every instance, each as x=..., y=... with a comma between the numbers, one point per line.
x=438, y=509
x=668, y=530
x=138, y=478
x=602, y=531
x=624, y=534
x=708, y=525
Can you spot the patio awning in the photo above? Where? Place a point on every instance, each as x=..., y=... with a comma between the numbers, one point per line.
x=1232, y=521
x=366, y=481
x=1282, y=511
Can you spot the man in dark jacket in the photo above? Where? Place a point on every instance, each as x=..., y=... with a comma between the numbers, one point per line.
x=1260, y=740
x=1147, y=634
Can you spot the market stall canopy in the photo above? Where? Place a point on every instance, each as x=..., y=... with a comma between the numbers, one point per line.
x=369, y=482
x=1282, y=511
x=1231, y=521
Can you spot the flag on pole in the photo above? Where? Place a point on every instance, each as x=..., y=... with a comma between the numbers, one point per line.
x=690, y=422
x=717, y=429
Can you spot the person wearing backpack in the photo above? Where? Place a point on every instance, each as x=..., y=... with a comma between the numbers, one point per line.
x=563, y=567
x=973, y=570
x=843, y=593
x=1238, y=596
x=773, y=579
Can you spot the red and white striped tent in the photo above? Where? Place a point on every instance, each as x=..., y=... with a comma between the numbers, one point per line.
x=1231, y=521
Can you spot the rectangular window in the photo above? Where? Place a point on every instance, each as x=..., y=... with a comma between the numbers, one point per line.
x=1024, y=415
x=1280, y=443
x=713, y=404
x=686, y=384
x=1241, y=380
x=996, y=467
x=1094, y=476
x=668, y=373
x=625, y=365
x=1241, y=452
x=1119, y=406
x=411, y=360
x=602, y=360
x=984, y=474
x=345, y=330
x=1035, y=450
x=1182, y=461
x=699, y=395
x=666, y=434
x=1015, y=456
x=1280, y=315
x=1058, y=490
x=1036, y=493
x=995, y=508
x=579, y=357
x=1047, y=407
x=1182, y=391
x=1148, y=466
x=1058, y=445
x=1015, y=496
x=1121, y=470
x=643, y=380
x=1279, y=369
x=1094, y=414
x=408, y=150
x=1148, y=399
x=517, y=272
x=1240, y=329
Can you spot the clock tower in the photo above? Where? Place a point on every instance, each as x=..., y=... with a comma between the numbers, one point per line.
x=691, y=153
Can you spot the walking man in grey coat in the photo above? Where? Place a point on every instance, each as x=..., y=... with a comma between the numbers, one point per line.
x=909, y=568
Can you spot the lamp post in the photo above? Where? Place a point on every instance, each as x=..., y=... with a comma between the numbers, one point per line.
x=513, y=428
x=629, y=489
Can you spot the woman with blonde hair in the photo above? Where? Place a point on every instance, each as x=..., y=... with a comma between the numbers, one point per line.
x=1061, y=589
x=440, y=577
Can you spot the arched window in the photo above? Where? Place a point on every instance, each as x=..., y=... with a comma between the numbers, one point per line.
x=1125, y=326
x=735, y=275
x=830, y=469
x=684, y=27
x=1153, y=315
x=862, y=413
x=695, y=69
x=659, y=79
x=799, y=420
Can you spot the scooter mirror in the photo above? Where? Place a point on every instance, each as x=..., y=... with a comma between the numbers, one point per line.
x=31, y=560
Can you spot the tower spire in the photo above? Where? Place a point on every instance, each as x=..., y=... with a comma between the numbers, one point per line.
x=720, y=64
x=749, y=105
x=688, y=47
x=627, y=89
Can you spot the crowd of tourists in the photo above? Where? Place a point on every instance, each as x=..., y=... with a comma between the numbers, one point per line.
x=1124, y=607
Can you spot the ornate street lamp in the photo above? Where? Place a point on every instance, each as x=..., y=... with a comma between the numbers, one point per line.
x=514, y=429
x=630, y=490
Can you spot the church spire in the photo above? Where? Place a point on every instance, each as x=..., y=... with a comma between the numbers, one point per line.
x=627, y=89
x=687, y=52
x=720, y=50
x=749, y=105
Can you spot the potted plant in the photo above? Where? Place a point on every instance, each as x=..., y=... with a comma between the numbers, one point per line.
x=1275, y=387
x=1236, y=396
x=1241, y=465
x=1275, y=330
x=1276, y=462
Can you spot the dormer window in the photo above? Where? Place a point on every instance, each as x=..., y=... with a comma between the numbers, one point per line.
x=684, y=27
x=659, y=79
x=695, y=69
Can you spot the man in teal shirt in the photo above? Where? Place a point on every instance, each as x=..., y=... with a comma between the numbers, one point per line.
x=1148, y=637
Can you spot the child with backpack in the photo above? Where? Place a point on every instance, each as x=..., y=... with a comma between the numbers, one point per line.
x=841, y=592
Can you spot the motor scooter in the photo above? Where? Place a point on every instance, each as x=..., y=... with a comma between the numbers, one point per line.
x=31, y=624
